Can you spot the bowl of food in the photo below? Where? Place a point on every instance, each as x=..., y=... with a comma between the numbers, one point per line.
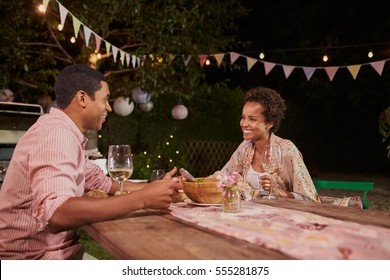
x=204, y=190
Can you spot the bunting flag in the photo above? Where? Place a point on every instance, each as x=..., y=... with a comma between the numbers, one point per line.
x=63, y=13
x=250, y=62
x=233, y=57
x=76, y=26
x=268, y=66
x=187, y=60
x=287, y=69
x=45, y=3
x=219, y=57
x=98, y=41
x=87, y=35
x=108, y=47
x=202, y=59
x=114, y=52
x=135, y=61
x=309, y=71
x=378, y=66
x=331, y=71
x=354, y=70
x=127, y=59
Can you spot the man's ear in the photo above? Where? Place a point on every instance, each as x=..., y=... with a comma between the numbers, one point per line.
x=81, y=98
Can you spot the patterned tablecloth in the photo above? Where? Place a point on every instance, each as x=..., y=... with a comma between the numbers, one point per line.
x=299, y=234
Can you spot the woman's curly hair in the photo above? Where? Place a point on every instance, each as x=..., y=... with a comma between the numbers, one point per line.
x=273, y=103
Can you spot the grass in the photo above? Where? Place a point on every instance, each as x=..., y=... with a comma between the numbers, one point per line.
x=92, y=248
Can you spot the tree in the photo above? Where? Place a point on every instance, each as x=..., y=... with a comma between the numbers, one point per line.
x=34, y=50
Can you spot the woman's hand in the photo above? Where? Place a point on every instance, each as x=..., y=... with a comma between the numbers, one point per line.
x=266, y=183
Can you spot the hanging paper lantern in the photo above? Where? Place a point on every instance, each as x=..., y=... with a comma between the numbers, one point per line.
x=122, y=106
x=146, y=107
x=6, y=95
x=139, y=96
x=179, y=112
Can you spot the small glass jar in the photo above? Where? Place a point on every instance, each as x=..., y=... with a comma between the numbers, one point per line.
x=231, y=199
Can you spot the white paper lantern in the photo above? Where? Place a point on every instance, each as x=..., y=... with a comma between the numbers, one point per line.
x=139, y=96
x=179, y=112
x=122, y=106
x=6, y=95
x=146, y=107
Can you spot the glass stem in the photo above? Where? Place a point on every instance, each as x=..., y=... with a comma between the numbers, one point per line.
x=121, y=186
x=271, y=190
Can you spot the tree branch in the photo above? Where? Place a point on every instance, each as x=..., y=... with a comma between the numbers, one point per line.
x=70, y=58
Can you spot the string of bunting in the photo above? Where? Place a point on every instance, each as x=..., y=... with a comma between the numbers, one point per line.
x=136, y=61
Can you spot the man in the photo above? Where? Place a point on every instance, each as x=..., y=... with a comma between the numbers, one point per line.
x=41, y=199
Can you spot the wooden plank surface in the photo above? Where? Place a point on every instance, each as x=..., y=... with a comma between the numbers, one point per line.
x=156, y=235
x=360, y=216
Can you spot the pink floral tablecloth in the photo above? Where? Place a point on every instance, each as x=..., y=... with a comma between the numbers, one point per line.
x=299, y=234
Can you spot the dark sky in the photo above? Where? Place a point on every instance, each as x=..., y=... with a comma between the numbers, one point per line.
x=287, y=25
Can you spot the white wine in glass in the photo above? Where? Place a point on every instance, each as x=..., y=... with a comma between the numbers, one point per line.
x=272, y=162
x=120, y=163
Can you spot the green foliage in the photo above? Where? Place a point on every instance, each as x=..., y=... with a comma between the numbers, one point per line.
x=384, y=127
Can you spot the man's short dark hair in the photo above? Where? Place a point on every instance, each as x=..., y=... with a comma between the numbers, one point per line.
x=74, y=78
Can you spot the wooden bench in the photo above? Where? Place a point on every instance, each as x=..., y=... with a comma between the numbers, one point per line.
x=346, y=185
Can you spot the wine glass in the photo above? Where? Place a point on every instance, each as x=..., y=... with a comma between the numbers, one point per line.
x=157, y=174
x=272, y=162
x=120, y=163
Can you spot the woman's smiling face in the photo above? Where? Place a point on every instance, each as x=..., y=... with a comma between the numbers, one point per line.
x=253, y=123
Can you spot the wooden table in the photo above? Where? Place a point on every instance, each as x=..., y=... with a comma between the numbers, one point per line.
x=156, y=235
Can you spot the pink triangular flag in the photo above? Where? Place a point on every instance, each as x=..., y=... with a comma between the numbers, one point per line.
x=219, y=57
x=98, y=41
x=108, y=46
x=114, y=52
x=202, y=59
x=233, y=57
x=309, y=71
x=331, y=71
x=76, y=26
x=268, y=66
x=354, y=70
x=63, y=13
x=287, y=69
x=250, y=62
x=378, y=66
x=87, y=35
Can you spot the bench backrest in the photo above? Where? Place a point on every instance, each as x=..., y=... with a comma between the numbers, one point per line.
x=346, y=185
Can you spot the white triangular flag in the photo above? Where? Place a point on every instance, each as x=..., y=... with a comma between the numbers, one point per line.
x=63, y=13
x=133, y=60
x=287, y=69
x=114, y=52
x=309, y=71
x=87, y=35
x=127, y=59
x=187, y=60
x=378, y=66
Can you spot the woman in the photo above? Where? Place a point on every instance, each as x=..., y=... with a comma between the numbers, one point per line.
x=262, y=113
